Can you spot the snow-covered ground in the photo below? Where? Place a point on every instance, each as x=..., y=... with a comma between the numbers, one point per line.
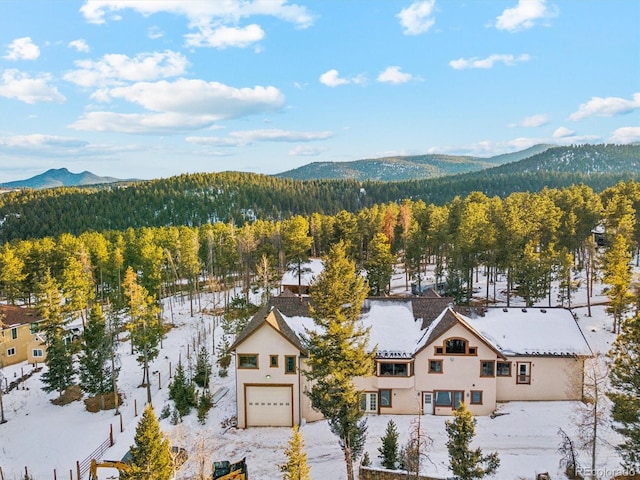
x=44, y=437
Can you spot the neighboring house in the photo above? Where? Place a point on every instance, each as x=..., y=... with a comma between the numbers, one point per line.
x=429, y=359
x=19, y=339
x=310, y=270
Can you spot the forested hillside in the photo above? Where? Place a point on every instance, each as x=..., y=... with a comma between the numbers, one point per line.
x=197, y=199
x=409, y=167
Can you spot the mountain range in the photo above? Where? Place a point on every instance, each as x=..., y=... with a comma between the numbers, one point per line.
x=582, y=159
x=60, y=177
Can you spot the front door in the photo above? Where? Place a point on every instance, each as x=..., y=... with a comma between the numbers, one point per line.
x=369, y=402
x=427, y=403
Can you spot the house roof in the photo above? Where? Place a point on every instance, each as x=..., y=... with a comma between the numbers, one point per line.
x=272, y=316
x=14, y=316
x=532, y=331
x=399, y=327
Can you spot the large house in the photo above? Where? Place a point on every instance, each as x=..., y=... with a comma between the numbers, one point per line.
x=429, y=359
x=19, y=339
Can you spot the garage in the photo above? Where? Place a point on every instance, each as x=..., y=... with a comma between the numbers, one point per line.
x=269, y=405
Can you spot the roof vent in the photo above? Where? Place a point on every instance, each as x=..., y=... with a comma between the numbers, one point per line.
x=524, y=310
x=505, y=310
x=543, y=310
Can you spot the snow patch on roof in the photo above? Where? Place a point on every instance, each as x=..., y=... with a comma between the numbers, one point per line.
x=536, y=331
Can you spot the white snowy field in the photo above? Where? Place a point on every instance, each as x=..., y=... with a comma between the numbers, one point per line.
x=44, y=437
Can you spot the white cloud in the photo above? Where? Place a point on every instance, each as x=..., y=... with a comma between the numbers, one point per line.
x=331, y=78
x=562, y=132
x=154, y=33
x=533, y=121
x=394, y=75
x=626, y=135
x=29, y=142
x=606, y=107
x=22, y=49
x=416, y=18
x=79, y=44
x=177, y=106
x=223, y=37
x=215, y=23
x=306, y=151
x=488, y=62
x=248, y=137
x=524, y=15
x=21, y=86
x=115, y=68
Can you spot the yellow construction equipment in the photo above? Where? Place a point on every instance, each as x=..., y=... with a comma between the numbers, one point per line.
x=93, y=468
x=230, y=471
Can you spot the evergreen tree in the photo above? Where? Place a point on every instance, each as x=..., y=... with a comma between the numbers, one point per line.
x=151, y=453
x=224, y=356
x=296, y=467
x=145, y=326
x=203, y=368
x=95, y=358
x=60, y=374
x=389, y=449
x=12, y=273
x=296, y=243
x=338, y=351
x=182, y=392
x=617, y=274
x=205, y=403
x=467, y=464
x=625, y=380
x=379, y=266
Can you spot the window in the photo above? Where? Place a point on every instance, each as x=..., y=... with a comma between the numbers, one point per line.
x=476, y=397
x=456, y=345
x=385, y=398
x=273, y=360
x=473, y=350
x=37, y=352
x=11, y=352
x=503, y=369
x=438, y=350
x=289, y=364
x=524, y=373
x=449, y=398
x=487, y=368
x=393, y=369
x=248, y=361
x=435, y=366
x=14, y=333
x=33, y=328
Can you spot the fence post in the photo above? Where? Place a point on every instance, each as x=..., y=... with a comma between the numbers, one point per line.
x=169, y=369
x=121, y=429
x=55, y=477
x=111, y=435
x=78, y=469
x=135, y=407
x=70, y=474
x=159, y=382
x=1, y=474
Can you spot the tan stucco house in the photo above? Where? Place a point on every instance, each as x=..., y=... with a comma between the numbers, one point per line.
x=429, y=358
x=19, y=340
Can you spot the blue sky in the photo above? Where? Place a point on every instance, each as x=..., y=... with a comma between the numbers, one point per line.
x=149, y=89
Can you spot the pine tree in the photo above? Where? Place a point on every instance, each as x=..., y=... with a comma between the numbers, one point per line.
x=205, y=403
x=203, y=368
x=60, y=374
x=467, y=464
x=379, y=266
x=151, y=453
x=389, y=449
x=617, y=274
x=95, y=359
x=625, y=380
x=145, y=326
x=296, y=467
x=182, y=392
x=338, y=351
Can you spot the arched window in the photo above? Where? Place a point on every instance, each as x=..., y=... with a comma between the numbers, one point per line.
x=456, y=345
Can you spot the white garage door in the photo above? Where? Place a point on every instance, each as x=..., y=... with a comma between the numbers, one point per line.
x=269, y=406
